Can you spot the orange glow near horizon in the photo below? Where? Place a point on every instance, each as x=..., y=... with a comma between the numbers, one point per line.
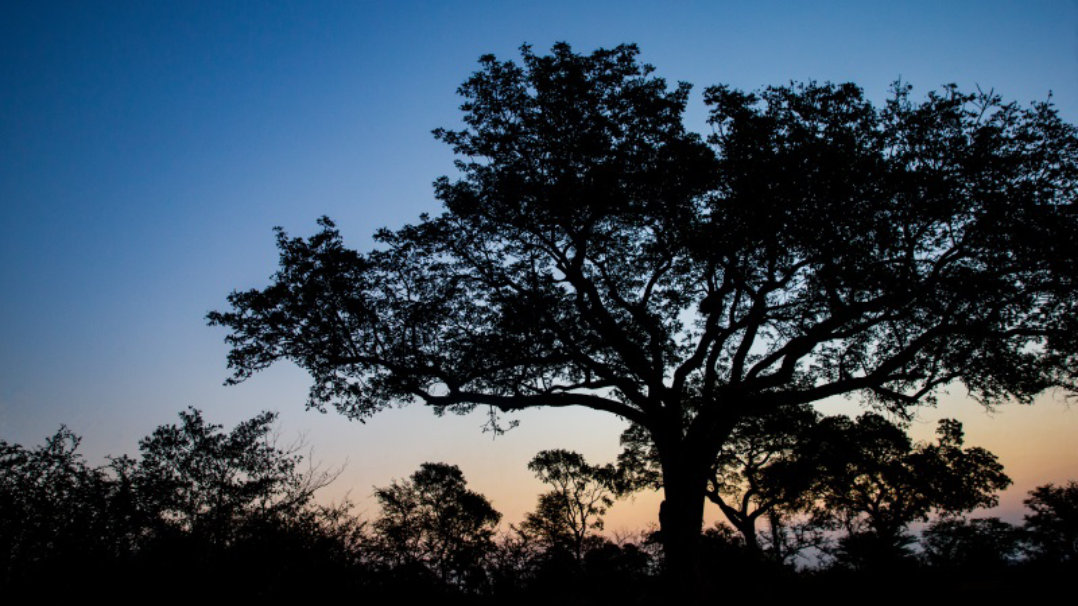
x=1035, y=444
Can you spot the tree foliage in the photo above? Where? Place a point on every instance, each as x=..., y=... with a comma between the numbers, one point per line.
x=875, y=482
x=574, y=507
x=197, y=480
x=54, y=509
x=197, y=502
x=1052, y=524
x=981, y=544
x=593, y=252
x=432, y=520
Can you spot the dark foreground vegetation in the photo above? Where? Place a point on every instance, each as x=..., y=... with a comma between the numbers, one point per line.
x=206, y=514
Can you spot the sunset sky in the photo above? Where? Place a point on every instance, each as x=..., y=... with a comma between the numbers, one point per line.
x=147, y=151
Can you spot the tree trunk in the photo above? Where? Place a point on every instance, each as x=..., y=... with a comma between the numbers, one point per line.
x=681, y=518
x=686, y=457
x=778, y=547
x=748, y=533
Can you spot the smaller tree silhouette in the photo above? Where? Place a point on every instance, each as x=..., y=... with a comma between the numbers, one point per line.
x=766, y=470
x=977, y=545
x=875, y=482
x=199, y=502
x=1052, y=525
x=198, y=481
x=55, y=511
x=432, y=521
x=573, y=509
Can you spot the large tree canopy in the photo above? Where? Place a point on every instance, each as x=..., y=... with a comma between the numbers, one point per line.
x=592, y=252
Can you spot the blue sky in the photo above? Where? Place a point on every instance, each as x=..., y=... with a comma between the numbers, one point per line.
x=147, y=150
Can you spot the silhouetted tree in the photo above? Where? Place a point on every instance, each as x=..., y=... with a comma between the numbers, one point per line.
x=594, y=253
x=200, y=482
x=875, y=482
x=581, y=494
x=1052, y=525
x=220, y=509
x=56, y=513
x=432, y=522
x=766, y=469
x=225, y=507
x=513, y=563
x=983, y=545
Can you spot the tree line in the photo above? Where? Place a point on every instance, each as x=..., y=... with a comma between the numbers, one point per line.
x=232, y=513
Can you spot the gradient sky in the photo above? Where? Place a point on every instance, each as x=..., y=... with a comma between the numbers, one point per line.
x=146, y=152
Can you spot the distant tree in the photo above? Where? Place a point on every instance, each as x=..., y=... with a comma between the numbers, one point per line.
x=56, y=512
x=875, y=482
x=1052, y=525
x=431, y=520
x=199, y=503
x=980, y=544
x=594, y=253
x=202, y=483
x=514, y=562
x=765, y=471
x=581, y=494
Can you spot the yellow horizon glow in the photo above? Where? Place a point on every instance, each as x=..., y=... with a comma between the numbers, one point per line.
x=1035, y=443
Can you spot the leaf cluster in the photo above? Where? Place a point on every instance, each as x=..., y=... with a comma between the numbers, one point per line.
x=433, y=521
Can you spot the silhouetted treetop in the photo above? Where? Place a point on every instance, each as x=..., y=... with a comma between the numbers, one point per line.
x=874, y=478
x=820, y=245
x=433, y=521
x=1052, y=524
x=580, y=495
x=195, y=477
